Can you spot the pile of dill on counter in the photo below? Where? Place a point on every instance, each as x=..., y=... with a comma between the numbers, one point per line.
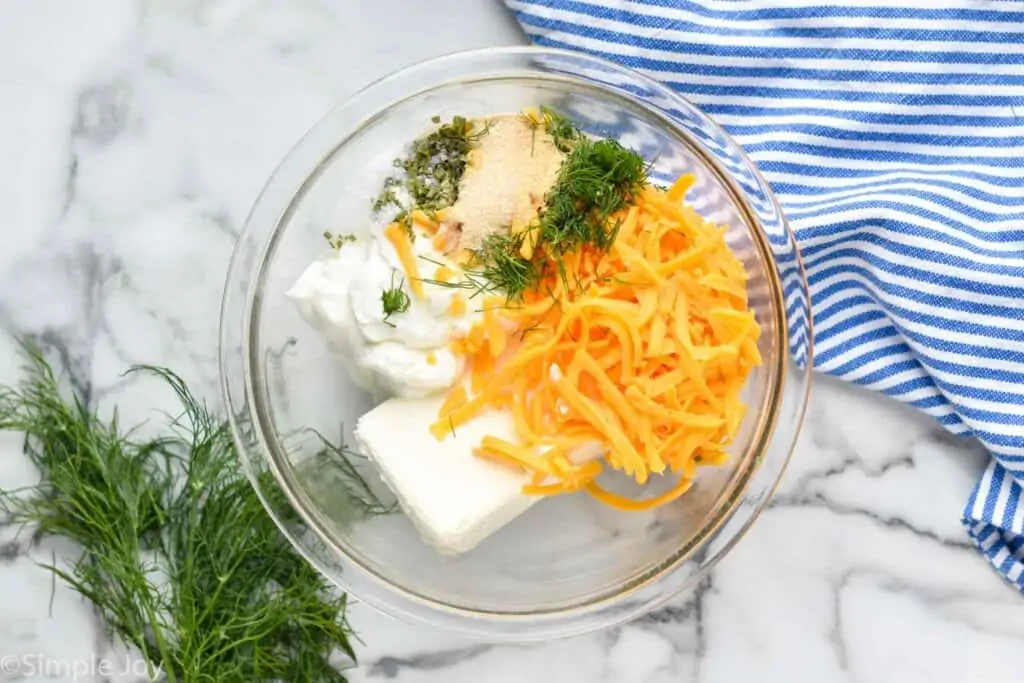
x=178, y=555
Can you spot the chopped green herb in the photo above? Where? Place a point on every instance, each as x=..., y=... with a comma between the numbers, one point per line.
x=431, y=172
x=387, y=196
x=336, y=241
x=405, y=220
x=394, y=299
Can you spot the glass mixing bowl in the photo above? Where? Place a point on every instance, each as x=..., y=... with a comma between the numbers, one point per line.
x=569, y=564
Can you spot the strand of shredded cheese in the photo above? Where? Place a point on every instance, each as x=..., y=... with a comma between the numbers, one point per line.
x=646, y=351
x=399, y=238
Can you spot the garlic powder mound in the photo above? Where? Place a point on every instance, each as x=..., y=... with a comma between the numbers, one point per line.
x=506, y=178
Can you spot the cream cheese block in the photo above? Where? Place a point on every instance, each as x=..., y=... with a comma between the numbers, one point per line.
x=454, y=498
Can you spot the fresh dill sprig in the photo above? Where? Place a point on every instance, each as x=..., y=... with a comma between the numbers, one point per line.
x=597, y=179
x=178, y=555
x=563, y=132
x=473, y=280
x=502, y=265
x=333, y=471
x=394, y=299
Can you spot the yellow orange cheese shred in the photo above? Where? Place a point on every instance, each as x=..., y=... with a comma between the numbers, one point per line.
x=680, y=187
x=623, y=503
x=444, y=274
x=644, y=351
x=399, y=239
x=422, y=219
x=458, y=305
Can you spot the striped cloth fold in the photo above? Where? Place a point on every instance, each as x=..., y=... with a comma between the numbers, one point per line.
x=893, y=134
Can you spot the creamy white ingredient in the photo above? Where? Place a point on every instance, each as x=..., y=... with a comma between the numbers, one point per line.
x=341, y=297
x=454, y=498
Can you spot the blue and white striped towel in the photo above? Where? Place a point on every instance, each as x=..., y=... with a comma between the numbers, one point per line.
x=893, y=133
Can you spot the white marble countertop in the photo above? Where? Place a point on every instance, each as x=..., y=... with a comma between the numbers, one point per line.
x=134, y=135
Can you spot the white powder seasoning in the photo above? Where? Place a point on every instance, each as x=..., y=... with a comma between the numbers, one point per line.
x=506, y=178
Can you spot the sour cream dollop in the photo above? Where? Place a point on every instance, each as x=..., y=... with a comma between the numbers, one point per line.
x=404, y=354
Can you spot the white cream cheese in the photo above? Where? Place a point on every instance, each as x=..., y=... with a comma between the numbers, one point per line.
x=405, y=354
x=454, y=498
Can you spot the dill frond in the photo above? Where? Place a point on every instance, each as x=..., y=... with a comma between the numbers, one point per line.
x=178, y=555
x=597, y=179
x=394, y=299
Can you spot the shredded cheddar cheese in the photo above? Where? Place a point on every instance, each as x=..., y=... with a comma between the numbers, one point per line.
x=458, y=305
x=424, y=221
x=399, y=239
x=644, y=350
x=444, y=274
